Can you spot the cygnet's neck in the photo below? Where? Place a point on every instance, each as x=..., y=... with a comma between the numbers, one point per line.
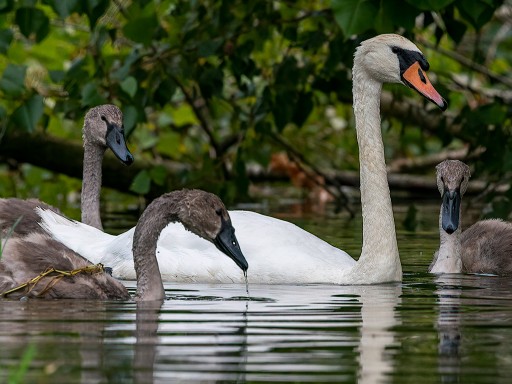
x=91, y=185
x=379, y=260
x=153, y=220
x=448, y=257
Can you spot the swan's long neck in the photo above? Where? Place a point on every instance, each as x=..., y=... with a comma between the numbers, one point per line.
x=379, y=260
x=448, y=257
x=91, y=185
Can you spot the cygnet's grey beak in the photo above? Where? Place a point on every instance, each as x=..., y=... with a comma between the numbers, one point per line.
x=115, y=141
x=451, y=211
x=227, y=243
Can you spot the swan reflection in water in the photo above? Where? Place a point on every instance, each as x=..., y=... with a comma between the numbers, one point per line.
x=67, y=338
x=208, y=333
x=473, y=326
x=281, y=332
x=449, y=299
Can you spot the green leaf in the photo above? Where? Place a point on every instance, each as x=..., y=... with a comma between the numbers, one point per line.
x=165, y=91
x=141, y=183
x=288, y=74
x=28, y=114
x=169, y=144
x=129, y=85
x=431, y=5
x=32, y=22
x=283, y=109
x=355, y=16
x=130, y=119
x=94, y=9
x=455, y=28
x=56, y=75
x=141, y=29
x=383, y=21
x=477, y=12
x=123, y=71
x=303, y=108
x=211, y=81
x=6, y=5
x=12, y=82
x=64, y=8
x=5, y=40
x=91, y=96
x=158, y=175
x=406, y=18
x=209, y=47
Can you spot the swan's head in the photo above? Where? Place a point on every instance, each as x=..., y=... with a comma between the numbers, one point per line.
x=391, y=58
x=452, y=181
x=204, y=214
x=103, y=127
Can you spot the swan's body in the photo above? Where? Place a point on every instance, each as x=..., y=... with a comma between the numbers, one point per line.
x=186, y=258
x=25, y=257
x=271, y=244
x=103, y=128
x=485, y=247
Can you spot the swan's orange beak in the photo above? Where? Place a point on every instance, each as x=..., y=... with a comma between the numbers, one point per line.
x=417, y=79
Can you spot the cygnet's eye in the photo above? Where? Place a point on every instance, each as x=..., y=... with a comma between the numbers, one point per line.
x=104, y=119
x=442, y=179
x=218, y=211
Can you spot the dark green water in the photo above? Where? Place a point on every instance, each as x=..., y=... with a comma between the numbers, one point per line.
x=429, y=329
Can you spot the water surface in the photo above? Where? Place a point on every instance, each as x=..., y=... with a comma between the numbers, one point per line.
x=429, y=329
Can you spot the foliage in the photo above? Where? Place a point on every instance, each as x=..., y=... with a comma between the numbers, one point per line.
x=210, y=82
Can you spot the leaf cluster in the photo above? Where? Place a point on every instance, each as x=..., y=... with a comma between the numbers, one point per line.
x=210, y=83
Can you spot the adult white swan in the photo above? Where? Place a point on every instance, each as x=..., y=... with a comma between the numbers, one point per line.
x=279, y=252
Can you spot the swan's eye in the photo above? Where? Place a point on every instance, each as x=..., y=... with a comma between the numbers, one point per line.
x=395, y=49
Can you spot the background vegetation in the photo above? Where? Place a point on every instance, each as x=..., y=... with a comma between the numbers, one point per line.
x=210, y=90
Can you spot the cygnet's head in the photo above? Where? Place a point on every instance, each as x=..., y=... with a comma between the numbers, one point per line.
x=103, y=127
x=204, y=214
x=391, y=58
x=452, y=181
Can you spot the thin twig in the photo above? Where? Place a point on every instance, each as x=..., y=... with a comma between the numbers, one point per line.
x=205, y=124
x=300, y=160
x=467, y=62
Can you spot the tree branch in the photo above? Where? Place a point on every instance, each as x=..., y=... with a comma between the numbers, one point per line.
x=66, y=157
x=197, y=105
x=467, y=63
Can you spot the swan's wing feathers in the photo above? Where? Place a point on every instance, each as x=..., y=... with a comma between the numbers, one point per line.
x=87, y=241
x=27, y=257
